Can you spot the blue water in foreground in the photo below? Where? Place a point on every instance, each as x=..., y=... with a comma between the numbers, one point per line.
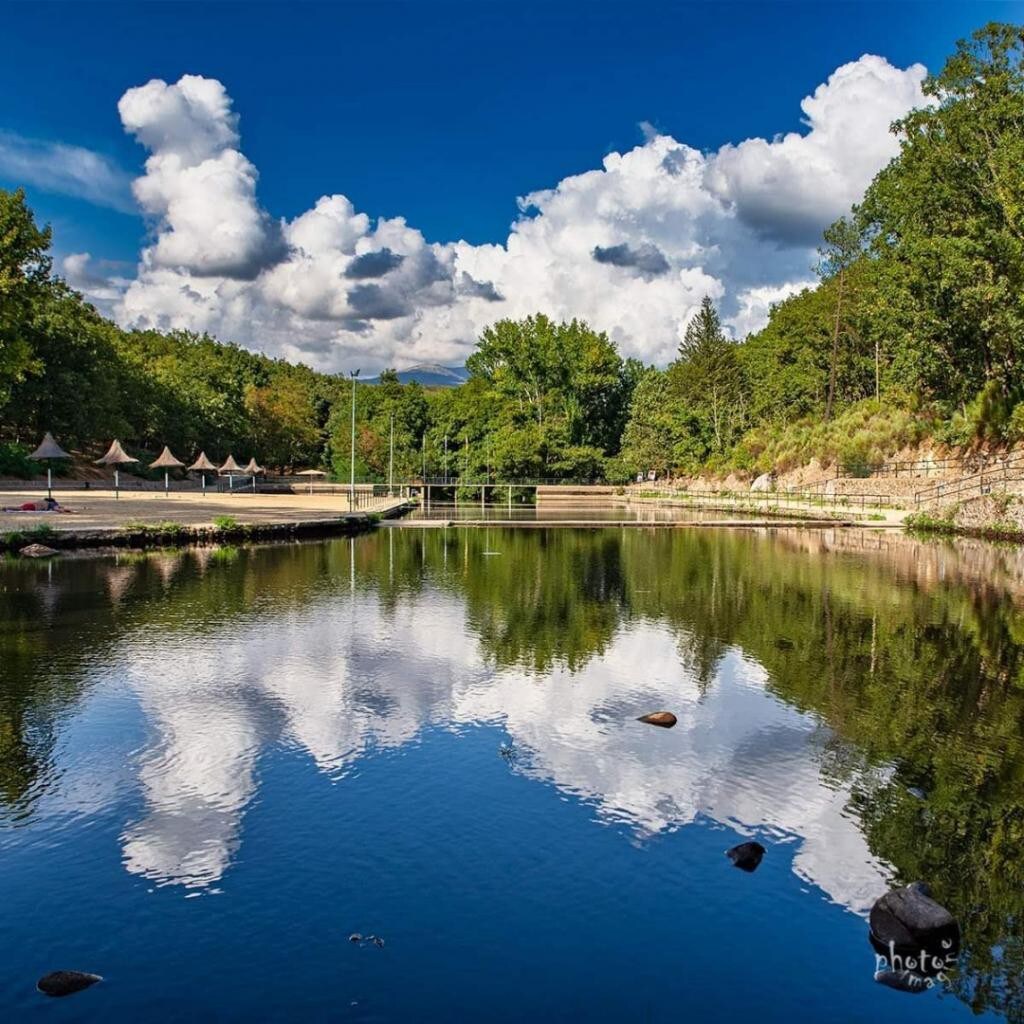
x=218, y=766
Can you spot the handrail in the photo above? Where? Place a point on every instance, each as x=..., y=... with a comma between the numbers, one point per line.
x=953, y=488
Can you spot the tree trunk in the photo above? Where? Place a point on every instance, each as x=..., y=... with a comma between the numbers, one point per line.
x=878, y=390
x=835, y=351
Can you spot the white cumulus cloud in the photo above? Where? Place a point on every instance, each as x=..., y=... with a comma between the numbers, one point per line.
x=631, y=246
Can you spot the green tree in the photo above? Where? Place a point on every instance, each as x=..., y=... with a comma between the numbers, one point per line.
x=947, y=220
x=707, y=379
x=841, y=249
x=24, y=273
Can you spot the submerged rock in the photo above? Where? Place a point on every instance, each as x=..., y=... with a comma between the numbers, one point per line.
x=65, y=983
x=903, y=981
x=908, y=923
x=37, y=551
x=746, y=856
x=663, y=718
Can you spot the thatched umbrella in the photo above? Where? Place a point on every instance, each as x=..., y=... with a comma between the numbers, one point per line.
x=167, y=462
x=311, y=473
x=230, y=467
x=202, y=466
x=254, y=469
x=47, y=450
x=115, y=457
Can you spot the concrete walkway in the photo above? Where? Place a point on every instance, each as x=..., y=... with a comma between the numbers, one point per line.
x=98, y=511
x=785, y=509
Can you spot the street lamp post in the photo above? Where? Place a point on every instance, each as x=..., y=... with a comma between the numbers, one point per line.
x=352, y=455
x=391, y=461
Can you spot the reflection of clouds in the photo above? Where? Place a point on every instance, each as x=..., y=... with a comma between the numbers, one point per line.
x=342, y=676
x=737, y=754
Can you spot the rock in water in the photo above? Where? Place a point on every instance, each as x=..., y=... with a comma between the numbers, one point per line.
x=746, y=856
x=663, y=718
x=908, y=922
x=903, y=981
x=37, y=551
x=65, y=983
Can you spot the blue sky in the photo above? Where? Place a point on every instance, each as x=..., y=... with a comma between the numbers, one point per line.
x=440, y=113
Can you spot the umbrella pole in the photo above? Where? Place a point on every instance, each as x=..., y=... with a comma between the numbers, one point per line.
x=117, y=493
x=203, y=477
x=167, y=481
x=49, y=482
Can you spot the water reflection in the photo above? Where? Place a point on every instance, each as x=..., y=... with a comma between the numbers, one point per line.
x=856, y=694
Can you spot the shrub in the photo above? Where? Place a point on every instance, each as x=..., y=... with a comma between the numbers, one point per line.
x=14, y=461
x=225, y=522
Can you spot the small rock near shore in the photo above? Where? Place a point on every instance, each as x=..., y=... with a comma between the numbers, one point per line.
x=663, y=718
x=746, y=856
x=37, y=551
x=65, y=983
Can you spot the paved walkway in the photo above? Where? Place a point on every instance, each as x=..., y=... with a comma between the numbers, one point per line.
x=876, y=516
x=102, y=511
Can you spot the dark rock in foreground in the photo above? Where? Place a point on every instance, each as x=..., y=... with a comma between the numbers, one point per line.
x=908, y=923
x=663, y=718
x=65, y=983
x=902, y=981
x=746, y=856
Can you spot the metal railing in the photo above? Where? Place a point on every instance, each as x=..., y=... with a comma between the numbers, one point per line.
x=976, y=485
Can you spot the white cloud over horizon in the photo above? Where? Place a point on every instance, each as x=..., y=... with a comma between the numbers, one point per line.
x=631, y=247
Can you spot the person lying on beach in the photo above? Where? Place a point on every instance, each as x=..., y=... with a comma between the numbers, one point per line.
x=46, y=505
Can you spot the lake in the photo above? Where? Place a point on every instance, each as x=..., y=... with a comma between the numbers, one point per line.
x=216, y=766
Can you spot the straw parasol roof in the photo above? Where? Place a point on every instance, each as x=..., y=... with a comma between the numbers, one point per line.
x=49, y=449
x=117, y=456
x=167, y=461
x=203, y=464
x=254, y=467
x=311, y=472
x=230, y=466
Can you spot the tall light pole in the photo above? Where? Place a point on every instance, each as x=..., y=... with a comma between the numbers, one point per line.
x=446, y=458
x=352, y=458
x=391, y=461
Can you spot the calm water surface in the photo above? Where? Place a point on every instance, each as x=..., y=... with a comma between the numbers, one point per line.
x=584, y=511
x=217, y=765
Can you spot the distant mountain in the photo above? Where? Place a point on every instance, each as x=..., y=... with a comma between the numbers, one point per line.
x=430, y=375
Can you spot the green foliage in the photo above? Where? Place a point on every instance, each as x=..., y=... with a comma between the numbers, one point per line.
x=165, y=528
x=14, y=461
x=24, y=272
x=945, y=221
x=863, y=435
x=225, y=522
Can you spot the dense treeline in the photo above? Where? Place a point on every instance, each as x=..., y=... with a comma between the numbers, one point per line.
x=65, y=368
x=917, y=325
x=916, y=328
